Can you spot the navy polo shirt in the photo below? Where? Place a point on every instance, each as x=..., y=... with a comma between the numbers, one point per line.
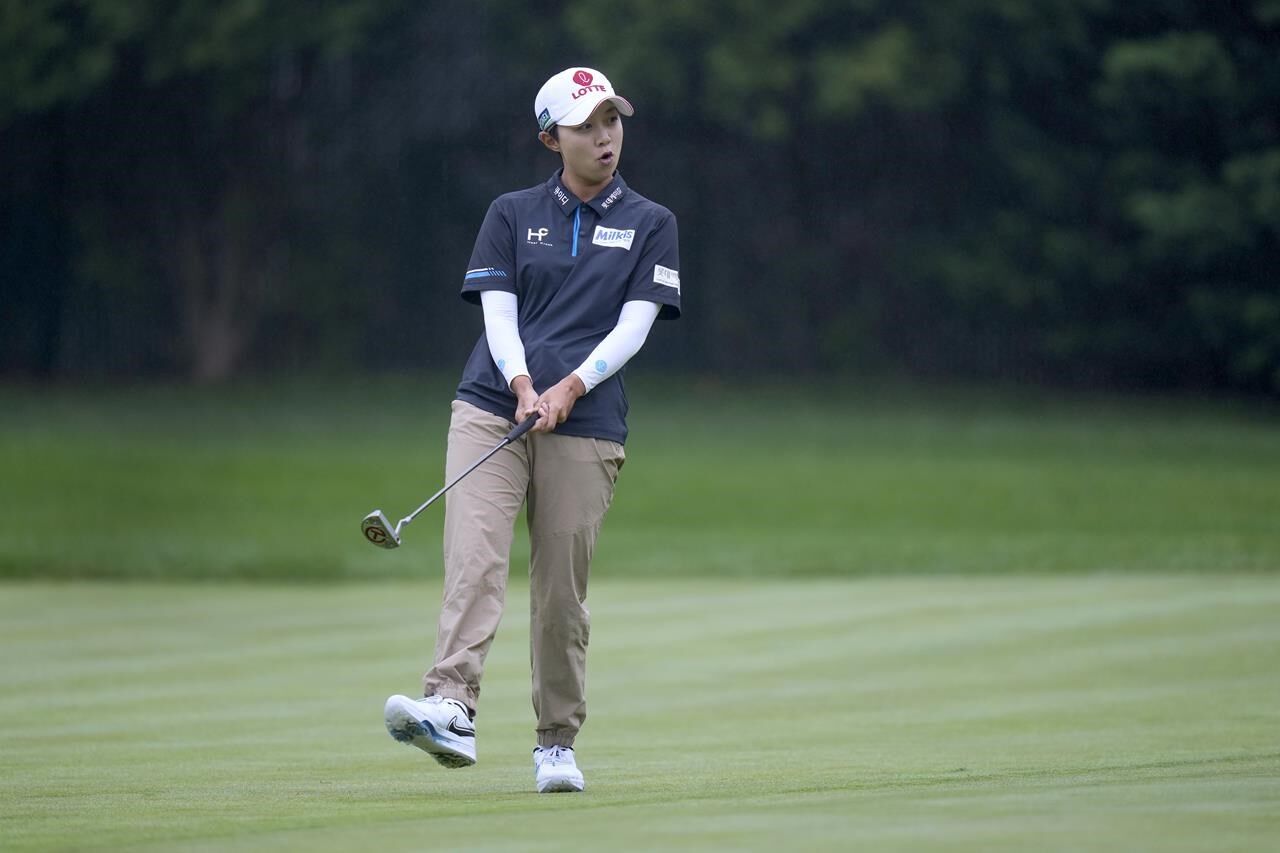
x=571, y=265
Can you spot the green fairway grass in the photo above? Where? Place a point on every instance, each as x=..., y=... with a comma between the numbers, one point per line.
x=885, y=619
x=270, y=482
x=1131, y=712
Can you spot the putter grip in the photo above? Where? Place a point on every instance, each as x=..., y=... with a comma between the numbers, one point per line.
x=522, y=428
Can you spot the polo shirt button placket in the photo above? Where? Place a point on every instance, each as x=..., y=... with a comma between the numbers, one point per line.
x=577, y=228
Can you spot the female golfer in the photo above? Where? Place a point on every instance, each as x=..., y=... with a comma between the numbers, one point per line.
x=571, y=274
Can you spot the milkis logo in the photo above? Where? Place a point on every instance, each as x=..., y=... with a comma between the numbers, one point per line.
x=618, y=238
x=583, y=78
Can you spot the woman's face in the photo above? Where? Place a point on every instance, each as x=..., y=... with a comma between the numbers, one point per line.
x=592, y=149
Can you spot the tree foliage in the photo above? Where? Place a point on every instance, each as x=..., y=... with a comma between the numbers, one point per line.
x=1075, y=191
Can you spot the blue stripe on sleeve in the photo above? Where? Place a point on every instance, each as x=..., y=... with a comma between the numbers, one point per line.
x=487, y=272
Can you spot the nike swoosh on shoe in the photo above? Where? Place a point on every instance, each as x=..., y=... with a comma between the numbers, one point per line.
x=459, y=730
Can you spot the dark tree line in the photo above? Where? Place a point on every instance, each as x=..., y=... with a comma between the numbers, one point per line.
x=1069, y=191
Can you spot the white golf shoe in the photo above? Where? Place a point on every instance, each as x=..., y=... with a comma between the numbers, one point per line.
x=440, y=727
x=555, y=770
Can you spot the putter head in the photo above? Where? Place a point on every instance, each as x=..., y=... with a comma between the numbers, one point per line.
x=378, y=530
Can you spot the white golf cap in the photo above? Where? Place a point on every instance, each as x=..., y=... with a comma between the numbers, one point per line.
x=571, y=96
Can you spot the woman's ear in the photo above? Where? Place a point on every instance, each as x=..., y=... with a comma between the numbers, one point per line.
x=550, y=141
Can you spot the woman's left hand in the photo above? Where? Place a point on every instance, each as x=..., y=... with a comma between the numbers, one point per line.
x=557, y=402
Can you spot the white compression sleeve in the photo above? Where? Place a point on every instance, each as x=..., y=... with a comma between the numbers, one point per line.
x=502, y=329
x=620, y=345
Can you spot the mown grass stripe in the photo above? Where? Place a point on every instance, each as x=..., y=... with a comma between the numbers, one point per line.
x=1131, y=712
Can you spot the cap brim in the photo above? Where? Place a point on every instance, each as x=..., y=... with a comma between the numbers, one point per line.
x=583, y=110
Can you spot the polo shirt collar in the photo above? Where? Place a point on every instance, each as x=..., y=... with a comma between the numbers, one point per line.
x=606, y=200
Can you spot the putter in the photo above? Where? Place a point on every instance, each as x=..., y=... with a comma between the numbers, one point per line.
x=377, y=528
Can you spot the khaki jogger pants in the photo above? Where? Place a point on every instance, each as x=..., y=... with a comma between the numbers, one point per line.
x=568, y=482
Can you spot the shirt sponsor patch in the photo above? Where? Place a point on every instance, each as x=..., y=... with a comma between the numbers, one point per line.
x=618, y=238
x=667, y=276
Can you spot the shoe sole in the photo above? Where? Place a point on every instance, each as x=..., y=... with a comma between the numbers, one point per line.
x=562, y=785
x=407, y=728
x=561, y=788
